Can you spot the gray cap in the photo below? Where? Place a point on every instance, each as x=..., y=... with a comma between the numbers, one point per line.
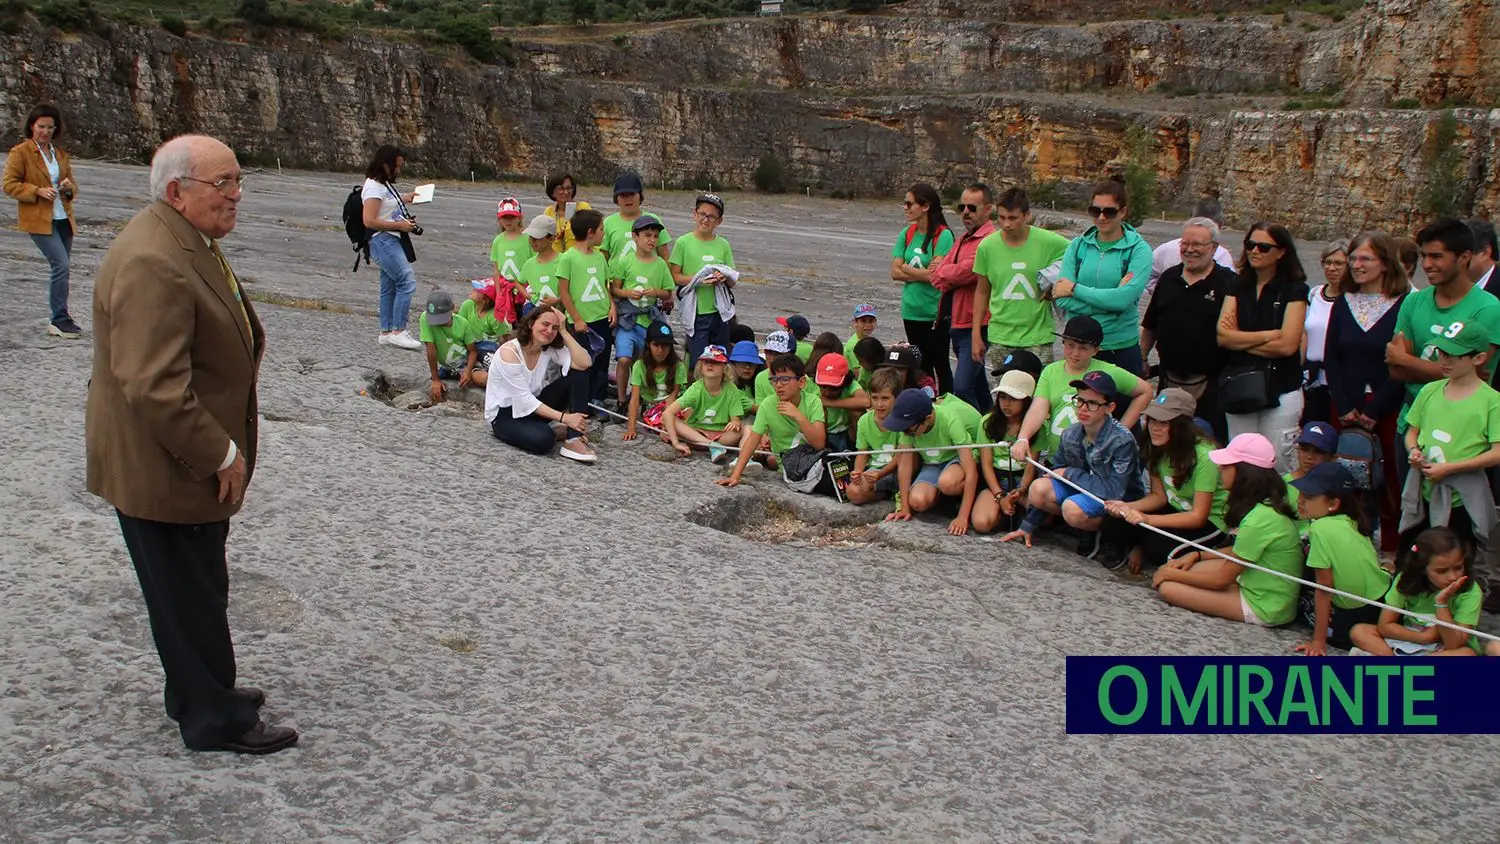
x=439, y=308
x=541, y=226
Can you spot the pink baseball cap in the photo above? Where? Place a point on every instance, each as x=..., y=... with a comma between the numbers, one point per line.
x=1246, y=448
x=833, y=368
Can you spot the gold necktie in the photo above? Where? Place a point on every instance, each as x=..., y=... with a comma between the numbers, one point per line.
x=234, y=287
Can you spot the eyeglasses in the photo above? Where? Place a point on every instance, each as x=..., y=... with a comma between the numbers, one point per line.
x=1108, y=212
x=1335, y=262
x=782, y=379
x=223, y=186
x=707, y=218
x=964, y=206
x=1088, y=404
x=1189, y=246
x=1257, y=246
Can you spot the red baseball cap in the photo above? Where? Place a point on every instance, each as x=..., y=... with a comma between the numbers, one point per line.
x=509, y=207
x=485, y=286
x=832, y=370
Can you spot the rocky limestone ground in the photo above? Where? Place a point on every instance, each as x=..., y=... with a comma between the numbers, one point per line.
x=482, y=645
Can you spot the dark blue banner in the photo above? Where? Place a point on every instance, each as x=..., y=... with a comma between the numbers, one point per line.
x=1149, y=694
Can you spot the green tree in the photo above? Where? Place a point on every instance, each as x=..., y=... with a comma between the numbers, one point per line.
x=1139, y=174
x=1444, y=164
x=769, y=175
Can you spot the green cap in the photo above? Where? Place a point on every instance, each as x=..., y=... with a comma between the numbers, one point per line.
x=1469, y=340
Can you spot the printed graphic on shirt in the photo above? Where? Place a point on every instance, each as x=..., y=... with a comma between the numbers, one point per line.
x=1020, y=286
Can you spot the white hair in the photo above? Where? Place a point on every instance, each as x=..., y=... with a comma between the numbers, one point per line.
x=1203, y=223
x=174, y=161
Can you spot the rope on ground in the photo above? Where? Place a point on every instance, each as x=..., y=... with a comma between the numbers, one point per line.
x=910, y=450
x=656, y=430
x=1249, y=565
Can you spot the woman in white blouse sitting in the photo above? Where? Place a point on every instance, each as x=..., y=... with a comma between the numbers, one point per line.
x=537, y=379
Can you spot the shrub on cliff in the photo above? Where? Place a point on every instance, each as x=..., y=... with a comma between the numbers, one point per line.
x=72, y=16
x=1444, y=163
x=175, y=25
x=769, y=175
x=1139, y=174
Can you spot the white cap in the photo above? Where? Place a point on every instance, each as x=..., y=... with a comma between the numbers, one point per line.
x=1017, y=384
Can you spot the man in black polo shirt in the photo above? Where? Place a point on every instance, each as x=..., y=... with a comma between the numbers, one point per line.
x=1182, y=321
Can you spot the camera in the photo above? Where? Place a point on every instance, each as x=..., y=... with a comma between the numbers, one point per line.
x=416, y=229
x=67, y=194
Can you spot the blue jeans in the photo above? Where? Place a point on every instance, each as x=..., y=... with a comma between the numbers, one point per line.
x=398, y=281
x=1128, y=359
x=708, y=330
x=969, y=381
x=57, y=248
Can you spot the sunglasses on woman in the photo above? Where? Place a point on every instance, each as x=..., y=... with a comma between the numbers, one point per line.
x=1108, y=212
x=1257, y=246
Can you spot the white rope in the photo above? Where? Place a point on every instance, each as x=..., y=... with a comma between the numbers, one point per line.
x=912, y=450
x=1249, y=565
x=642, y=423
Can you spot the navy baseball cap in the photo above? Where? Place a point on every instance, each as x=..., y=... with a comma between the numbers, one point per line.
x=1319, y=435
x=628, y=182
x=646, y=221
x=797, y=324
x=659, y=332
x=1098, y=381
x=911, y=407
x=1326, y=479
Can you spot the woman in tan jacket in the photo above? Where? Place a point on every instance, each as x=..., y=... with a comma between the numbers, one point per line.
x=40, y=179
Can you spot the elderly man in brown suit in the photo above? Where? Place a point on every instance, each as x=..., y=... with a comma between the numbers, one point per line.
x=171, y=430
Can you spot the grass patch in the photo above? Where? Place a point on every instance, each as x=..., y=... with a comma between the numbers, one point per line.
x=458, y=643
x=298, y=302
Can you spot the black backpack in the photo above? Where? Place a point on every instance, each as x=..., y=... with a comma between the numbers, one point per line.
x=354, y=225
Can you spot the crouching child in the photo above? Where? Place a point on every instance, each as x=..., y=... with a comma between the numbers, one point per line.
x=944, y=432
x=1096, y=453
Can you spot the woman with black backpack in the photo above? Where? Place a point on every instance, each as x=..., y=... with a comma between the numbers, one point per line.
x=389, y=226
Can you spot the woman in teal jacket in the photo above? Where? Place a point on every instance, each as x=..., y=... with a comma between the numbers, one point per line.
x=1104, y=273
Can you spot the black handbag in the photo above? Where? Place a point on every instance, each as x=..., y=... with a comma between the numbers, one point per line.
x=1246, y=391
x=406, y=247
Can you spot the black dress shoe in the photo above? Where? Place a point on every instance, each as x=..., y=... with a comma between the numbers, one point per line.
x=256, y=697
x=261, y=739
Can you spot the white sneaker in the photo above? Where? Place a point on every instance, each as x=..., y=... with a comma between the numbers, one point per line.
x=403, y=340
x=754, y=467
x=384, y=339
x=585, y=456
x=1359, y=652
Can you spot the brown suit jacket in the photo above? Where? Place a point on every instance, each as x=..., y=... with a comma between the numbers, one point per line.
x=174, y=374
x=25, y=172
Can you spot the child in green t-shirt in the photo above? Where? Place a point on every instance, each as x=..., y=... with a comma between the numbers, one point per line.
x=1005, y=479
x=655, y=380
x=943, y=431
x=1453, y=436
x=537, y=274
x=863, y=325
x=1432, y=581
x=794, y=418
x=874, y=475
x=709, y=412
x=510, y=249
x=1257, y=509
x=1341, y=555
x=747, y=365
x=843, y=401
x=1318, y=443
x=869, y=355
x=479, y=309
x=630, y=195
x=640, y=283
x=798, y=326
x=699, y=248
x=450, y=342
x=1052, y=409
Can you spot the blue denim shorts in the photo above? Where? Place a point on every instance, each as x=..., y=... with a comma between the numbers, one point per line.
x=630, y=341
x=1065, y=493
x=930, y=472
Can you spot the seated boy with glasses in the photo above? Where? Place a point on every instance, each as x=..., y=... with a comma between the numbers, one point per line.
x=1099, y=455
x=795, y=417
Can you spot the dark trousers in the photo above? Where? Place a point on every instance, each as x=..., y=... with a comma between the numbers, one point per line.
x=932, y=341
x=708, y=330
x=185, y=581
x=1317, y=405
x=598, y=372
x=532, y=433
x=1157, y=550
x=1128, y=359
x=969, y=381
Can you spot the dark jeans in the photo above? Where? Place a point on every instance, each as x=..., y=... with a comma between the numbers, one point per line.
x=969, y=381
x=57, y=248
x=532, y=433
x=1157, y=550
x=598, y=371
x=185, y=580
x=708, y=330
x=932, y=342
x=1128, y=359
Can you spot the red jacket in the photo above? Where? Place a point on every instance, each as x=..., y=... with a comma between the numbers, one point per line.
x=953, y=274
